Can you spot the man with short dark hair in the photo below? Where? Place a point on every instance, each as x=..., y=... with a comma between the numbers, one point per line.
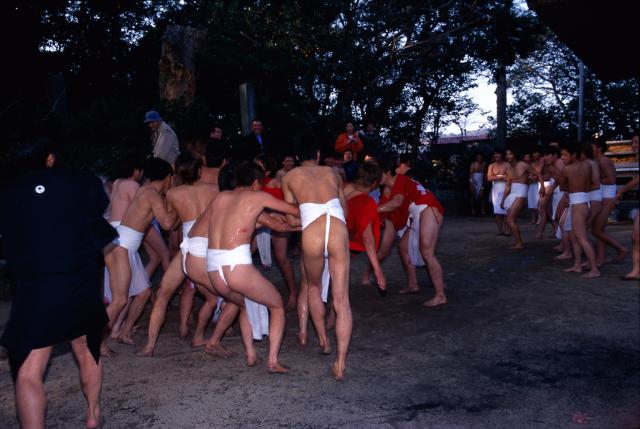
x=252, y=145
x=56, y=267
x=165, y=141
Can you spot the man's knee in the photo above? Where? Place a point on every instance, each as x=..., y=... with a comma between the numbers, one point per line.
x=118, y=302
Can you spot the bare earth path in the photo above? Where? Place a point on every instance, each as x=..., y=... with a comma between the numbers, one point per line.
x=520, y=345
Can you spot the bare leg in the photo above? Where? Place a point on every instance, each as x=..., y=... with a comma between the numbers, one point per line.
x=579, y=215
x=339, y=269
x=577, y=254
x=500, y=224
x=248, y=281
x=31, y=400
x=117, y=261
x=599, y=224
x=117, y=326
x=228, y=314
x=135, y=310
x=204, y=316
x=303, y=307
x=512, y=217
x=154, y=239
x=544, y=214
x=635, y=250
x=280, y=247
x=409, y=268
x=170, y=282
x=472, y=199
x=154, y=259
x=90, y=379
x=314, y=266
x=430, y=224
x=386, y=244
x=186, y=305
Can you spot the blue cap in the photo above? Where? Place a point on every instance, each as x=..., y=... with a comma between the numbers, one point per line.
x=152, y=116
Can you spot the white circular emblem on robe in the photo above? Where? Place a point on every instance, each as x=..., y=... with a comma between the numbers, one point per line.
x=39, y=189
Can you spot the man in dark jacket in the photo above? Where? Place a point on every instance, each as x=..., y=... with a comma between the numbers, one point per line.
x=253, y=145
x=54, y=236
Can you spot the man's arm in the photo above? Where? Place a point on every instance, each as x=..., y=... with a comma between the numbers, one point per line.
x=167, y=219
x=289, y=198
x=490, y=175
x=271, y=202
x=507, y=189
x=276, y=222
x=394, y=203
x=369, y=243
x=633, y=183
x=342, y=198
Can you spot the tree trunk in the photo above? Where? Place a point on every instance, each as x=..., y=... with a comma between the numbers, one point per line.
x=500, y=77
x=180, y=46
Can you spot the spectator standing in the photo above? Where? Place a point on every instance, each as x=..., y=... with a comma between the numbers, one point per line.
x=372, y=141
x=165, y=140
x=349, y=140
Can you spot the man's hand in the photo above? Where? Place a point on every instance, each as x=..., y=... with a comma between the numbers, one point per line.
x=381, y=279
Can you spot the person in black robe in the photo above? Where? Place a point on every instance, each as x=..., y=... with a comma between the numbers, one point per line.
x=53, y=236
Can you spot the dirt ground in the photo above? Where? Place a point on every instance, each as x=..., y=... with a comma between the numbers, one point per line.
x=521, y=344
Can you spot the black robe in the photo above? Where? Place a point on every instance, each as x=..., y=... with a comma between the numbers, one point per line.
x=53, y=233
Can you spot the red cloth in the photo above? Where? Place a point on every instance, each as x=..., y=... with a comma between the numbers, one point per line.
x=362, y=212
x=419, y=195
x=398, y=217
x=343, y=143
x=402, y=186
x=276, y=192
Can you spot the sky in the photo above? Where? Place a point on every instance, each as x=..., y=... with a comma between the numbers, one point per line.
x=484, y=96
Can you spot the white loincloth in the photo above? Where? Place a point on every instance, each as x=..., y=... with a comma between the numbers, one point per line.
x=578, y=198
x=533, y=195
x=497, y=192
x=196, y=246
x=415, y=257
x=477, y=180
x=309, y=212
x=257, y=314
x=263, y=239
x=608, y=191
x=186, y=227
x=555, y=200
x=127, y=238
x=595, y=195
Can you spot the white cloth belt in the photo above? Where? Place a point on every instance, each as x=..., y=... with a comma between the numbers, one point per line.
x=520, y=190
x=309, y=212
x=477, y=179
x=578, y=198
x=258, y=314
x=595, y=195
x=533, y=195
x=497, y=192
x=414, y=234
x=128, y=238
x=555, y=201
x=197, y=246
x=608, y=191
x=263, y=239
x=186, y=227
x=139, y=279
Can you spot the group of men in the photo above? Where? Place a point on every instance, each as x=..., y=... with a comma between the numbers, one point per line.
x=571, y=186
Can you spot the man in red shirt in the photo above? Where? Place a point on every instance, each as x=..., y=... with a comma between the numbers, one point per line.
x=363, y=222
x=349, y=140
x=426, y=214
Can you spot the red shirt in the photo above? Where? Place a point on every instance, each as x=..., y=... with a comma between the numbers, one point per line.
x=419, y=196
x=276, y=192
x=398, y=217
x=362, y=213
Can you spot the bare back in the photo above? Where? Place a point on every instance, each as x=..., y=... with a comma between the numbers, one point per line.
x=577, y=176
x=147, y=204
x=190, y=201
x=477, y=167
x=312, y=184
x=595, y=174
x=122, y=194
x=607, y=170
x=233, y=216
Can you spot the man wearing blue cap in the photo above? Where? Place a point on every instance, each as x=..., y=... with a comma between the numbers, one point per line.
x=165, y=141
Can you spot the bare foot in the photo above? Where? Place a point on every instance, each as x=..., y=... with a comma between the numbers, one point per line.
x=216, y=350
x=146, y=351
x=435, y=301
x=94, y=419
x=365, y=281
x=292, y=303
x=337, y=371
x=620, y=256
x=409, y=290
x=277, y=368
x=573, y=269
x=184, y=333
x=126, y=339
x=517, y=246
x=106, y=351
x=198, y=342
x=254, y=360
x=563, y=257
x=592, y=274
x=325, y=350
x=302, y=339
x=558, y=248
x=632, y=276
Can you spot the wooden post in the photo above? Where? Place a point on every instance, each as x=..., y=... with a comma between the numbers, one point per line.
x=247, y=107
